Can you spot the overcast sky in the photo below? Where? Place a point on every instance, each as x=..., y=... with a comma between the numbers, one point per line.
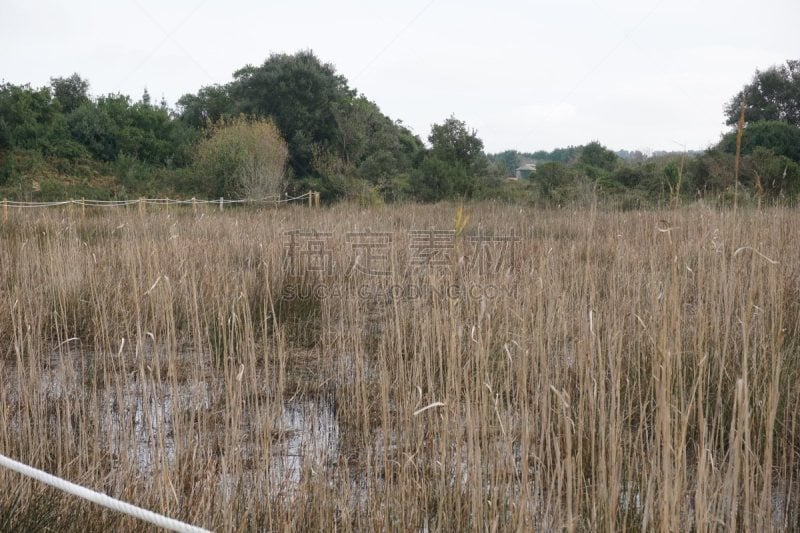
x=644, y=74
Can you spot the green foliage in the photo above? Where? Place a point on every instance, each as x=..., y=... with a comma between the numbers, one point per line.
x=242, y=157
x=775, y=174
x=29, y=118
x=573, y=188
x=605, y=182
x=508, y=191
x=300, y=93
x=208, y=106
x=551, y=176
x=341, y=144
x=629, y=176
x=596, y=155
x=508, y=160
x=437, y=179
x=132, y=174
x=70, y=93
x=710, y=173
x=455, y=166
x=561, y=155
x=671, y=174
x=773, y=95
x=376, y=149
x=55, y=190
x=113, y=126
x=336, y=139
x=28, y=162
x=452, y=141
x=779, y=137
x=557, y=184
x=92, y=126
x=7, y=168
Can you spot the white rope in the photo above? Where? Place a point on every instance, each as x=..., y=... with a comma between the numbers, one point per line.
x=276, y=199
x=97, y=497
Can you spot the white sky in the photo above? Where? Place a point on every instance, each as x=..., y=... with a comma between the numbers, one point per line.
x=646, y=74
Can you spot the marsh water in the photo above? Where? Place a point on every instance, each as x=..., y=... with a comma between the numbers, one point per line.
x=136, y=416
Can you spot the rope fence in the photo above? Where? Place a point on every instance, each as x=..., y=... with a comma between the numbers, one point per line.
x=98, y=497
x=312, y=197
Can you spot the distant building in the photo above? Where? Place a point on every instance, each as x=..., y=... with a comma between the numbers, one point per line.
x=525, y=171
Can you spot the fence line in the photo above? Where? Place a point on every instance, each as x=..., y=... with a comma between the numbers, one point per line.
x=98, y=497
x=277, y=199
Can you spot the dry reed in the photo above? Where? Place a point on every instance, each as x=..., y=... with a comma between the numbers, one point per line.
x=600, y=373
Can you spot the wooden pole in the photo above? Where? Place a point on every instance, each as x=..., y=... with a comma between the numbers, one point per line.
x=310, y=196
x=194, y=205
x=83, y=207
x=141, y=205
x=220, y=203
x=5, y=209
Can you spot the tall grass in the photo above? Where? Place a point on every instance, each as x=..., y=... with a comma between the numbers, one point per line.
x=607, y=371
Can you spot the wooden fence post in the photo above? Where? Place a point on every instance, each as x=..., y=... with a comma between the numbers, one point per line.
x=194, y=205
x=5, y=209
x=83, y=207
x=220, y=203
x=310, y=198
x=141, y=205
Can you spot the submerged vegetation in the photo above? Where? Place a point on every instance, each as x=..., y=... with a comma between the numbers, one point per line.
x=508, y=368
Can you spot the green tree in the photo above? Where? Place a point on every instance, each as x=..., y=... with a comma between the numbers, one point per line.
x=208, y=106
x=551, y=176
x=378, y=150
x=30, y=119
x=300, y=93
x=455, y=164
x=242, y=157
x=562, y=155
x=71, y=92
x=509, y=160
x=112, y=126
x=596, y=155
x=91, y=125
x=711, y=173
x=437, y=179
x=780, y=137
x=453, y=142
x=773, y=94
x=629, y=176
x=774, y=174
x=336, y=138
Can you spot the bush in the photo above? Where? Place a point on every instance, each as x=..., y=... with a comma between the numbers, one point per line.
x=242, y=157
x=772, y=174
x=437, y=179
x=780, y=137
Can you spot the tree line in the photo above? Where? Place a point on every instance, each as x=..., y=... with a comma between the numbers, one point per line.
x=769, y=156
x=293, y=123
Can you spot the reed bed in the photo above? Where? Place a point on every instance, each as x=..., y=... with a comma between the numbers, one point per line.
x=408, y=368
